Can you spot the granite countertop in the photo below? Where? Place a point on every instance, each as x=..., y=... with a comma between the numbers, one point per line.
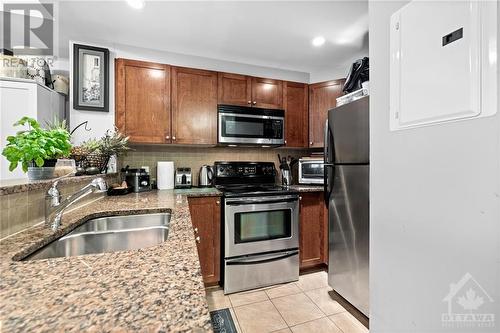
x=11, y=186
x=307, y=188
x=152, y=289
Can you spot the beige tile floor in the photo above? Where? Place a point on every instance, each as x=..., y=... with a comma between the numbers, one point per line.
x=297, y=307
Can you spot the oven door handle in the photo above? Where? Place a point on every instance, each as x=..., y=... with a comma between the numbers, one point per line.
x=246, y=261
x=258, y=202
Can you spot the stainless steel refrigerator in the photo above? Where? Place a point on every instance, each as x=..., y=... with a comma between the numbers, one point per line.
x=347, y=168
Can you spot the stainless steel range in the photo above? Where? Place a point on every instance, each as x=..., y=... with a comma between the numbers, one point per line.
x=260, y=226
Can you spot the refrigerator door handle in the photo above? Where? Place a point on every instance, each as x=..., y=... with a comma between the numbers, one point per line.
x=326, y=162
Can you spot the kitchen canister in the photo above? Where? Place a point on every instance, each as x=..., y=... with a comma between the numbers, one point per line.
x=165, y=175
x=61, y=84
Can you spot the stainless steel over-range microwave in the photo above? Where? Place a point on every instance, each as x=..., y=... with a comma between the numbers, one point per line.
x=249, y=126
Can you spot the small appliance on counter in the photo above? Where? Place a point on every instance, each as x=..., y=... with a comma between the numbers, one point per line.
x=311, y=170
x=206, y=176
x=138, y=179
x=165, y=175
x=183, y=178
x=286, y=164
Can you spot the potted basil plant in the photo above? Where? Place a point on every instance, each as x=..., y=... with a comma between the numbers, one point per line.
x=37, y=149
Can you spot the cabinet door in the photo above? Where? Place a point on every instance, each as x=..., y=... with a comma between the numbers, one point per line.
x=234, y=89
x=267, y=93
x=295, y=103
x=143, y=100
x=322, y=97
x=312, y=230
x=194, y=106
x=205, y=215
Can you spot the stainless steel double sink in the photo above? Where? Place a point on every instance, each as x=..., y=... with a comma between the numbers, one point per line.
x=109, y=234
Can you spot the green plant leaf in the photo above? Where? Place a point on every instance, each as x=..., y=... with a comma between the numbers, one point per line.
x=13, y=166
x=36, y=144
x=39, y=161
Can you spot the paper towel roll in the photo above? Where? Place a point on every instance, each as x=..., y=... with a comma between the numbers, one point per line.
x=165, y=175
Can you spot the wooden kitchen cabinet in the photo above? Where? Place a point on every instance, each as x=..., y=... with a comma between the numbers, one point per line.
x=267, y=93
x=194, y=106
x=205, y=216
x=142, y=98
x=322, y=97
x=235, y=89
x=295, y=103
x=313, y=242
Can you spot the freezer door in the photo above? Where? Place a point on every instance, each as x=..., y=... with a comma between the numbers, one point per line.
x=348, y=235
x=349, y=125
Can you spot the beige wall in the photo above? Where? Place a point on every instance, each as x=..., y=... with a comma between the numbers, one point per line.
x=195, y=157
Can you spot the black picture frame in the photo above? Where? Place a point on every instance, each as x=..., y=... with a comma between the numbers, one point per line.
x=78, y=104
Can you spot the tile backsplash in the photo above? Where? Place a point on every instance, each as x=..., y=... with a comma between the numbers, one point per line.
x=25, y=209
x=195, y=157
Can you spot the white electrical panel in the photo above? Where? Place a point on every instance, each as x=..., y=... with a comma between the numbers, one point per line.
x=443, y=64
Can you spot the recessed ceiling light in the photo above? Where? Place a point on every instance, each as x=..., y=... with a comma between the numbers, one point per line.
x=318, y=41
x=136, y=4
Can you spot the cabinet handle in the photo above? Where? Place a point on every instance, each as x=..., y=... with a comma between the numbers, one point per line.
x=217, y=202
x=195, y=230
x=167, y=137
x=254, y=102
x=300, y=198
x=285, y=141
x=198, y=239
x=173, y=138
x=249, y=102
x=310, y=143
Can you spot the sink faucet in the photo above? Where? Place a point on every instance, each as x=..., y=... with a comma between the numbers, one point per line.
x=54, y=207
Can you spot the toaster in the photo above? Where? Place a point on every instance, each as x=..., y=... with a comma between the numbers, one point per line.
x=183, y=178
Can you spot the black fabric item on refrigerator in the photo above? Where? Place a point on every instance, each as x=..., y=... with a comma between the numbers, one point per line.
x=359, y=73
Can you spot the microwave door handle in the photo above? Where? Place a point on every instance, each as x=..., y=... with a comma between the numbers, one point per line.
x=246, y=261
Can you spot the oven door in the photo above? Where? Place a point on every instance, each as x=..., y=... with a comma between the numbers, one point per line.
x=250, y=129
x=260, y=224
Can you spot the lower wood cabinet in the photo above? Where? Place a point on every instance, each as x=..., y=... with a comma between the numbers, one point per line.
x=313, y=242
x=205, y=216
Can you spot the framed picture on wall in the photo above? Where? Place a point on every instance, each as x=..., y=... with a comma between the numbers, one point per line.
x=90, y=78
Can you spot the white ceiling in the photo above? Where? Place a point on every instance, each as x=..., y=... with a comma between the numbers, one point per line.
x=263, y=33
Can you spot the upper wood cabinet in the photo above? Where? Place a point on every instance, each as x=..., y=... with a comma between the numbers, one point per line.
x=295, y=103
x=322, y=97
x=245, y=90
x=194, y=106
x=267, y=93
x=205, y=216
x=235, y=89
x=142, y=98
